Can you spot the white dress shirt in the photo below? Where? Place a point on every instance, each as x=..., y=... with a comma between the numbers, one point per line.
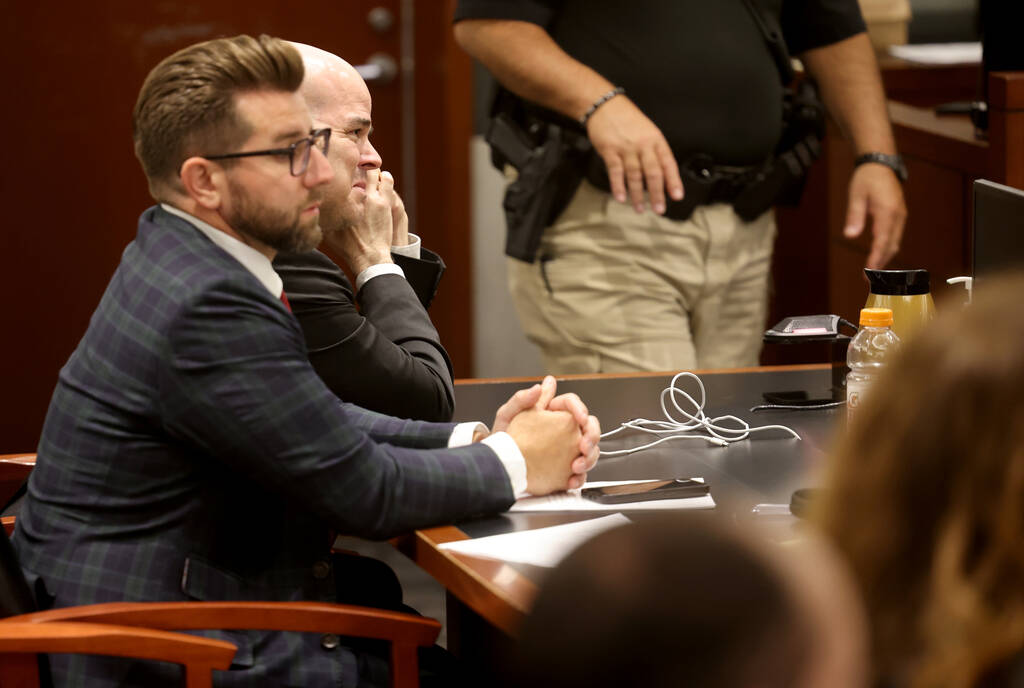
x=410, y=250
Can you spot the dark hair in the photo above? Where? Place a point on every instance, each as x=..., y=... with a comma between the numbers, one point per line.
x=186, y=105
x=926, y=496
x=660, y=604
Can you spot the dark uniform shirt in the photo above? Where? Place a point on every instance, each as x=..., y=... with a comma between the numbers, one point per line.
x=702, y=71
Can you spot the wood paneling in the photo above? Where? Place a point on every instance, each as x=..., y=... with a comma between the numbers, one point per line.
x=944, y=156
x=72, y=190
x=444, y=124
x=934, y=238
x=812, y=263
x=926, y=85
x=1006, y=128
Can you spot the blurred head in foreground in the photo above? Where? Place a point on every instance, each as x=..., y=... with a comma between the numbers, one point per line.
x=926, y=499
x=669, y=602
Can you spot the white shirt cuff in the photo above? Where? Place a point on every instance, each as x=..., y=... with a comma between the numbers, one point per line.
x=410, y=250
x=375, y=271
x=463, y=434
x=511, y=458
x=503, y=445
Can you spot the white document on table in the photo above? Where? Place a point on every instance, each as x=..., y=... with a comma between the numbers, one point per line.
x=938, y=53
x=572, y=501
x=541, y=546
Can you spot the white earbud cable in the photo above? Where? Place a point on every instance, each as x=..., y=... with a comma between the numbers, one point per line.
x=717, y=434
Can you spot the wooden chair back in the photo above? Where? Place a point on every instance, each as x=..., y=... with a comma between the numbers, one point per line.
x=20, y=644
x=405, y=632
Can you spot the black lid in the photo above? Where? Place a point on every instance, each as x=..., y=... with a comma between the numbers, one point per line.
x=898, y=282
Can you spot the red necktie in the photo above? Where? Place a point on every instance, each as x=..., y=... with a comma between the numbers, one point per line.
x=284, y=300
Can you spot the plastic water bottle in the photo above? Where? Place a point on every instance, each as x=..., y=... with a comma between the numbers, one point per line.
x=870, y=349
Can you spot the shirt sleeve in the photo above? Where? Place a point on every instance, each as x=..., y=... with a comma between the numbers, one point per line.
x=410, y=250
x=503, y=445
x=511, y=458
x=809, y=24
x=375, y=271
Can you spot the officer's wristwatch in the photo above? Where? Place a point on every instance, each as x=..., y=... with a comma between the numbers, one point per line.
x=893, y=162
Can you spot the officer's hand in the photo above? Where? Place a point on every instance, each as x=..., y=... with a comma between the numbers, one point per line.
x=875, y=193
x=634, y=151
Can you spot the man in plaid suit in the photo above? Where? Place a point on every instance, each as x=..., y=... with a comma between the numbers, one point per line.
x=190, y=451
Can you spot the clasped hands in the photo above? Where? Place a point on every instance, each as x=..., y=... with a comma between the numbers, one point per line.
x=556, y=435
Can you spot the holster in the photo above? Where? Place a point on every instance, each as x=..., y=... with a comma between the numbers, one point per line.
x=552, y=159
x=549, y=160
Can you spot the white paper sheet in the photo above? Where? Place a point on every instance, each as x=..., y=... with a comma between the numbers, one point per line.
x=572, y=501
x=541, y=546
x=938, y=53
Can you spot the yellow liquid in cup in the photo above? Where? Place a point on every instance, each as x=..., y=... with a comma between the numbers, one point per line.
x=909, y=313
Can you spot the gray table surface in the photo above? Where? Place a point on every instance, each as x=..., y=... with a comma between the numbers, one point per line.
x=766, y=468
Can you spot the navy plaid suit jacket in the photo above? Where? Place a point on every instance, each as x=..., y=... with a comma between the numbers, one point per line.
x=191, y=452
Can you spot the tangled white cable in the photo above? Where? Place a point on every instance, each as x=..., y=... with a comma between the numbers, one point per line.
x=717, y=434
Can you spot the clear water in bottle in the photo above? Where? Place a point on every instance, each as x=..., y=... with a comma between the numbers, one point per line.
x=869, y=352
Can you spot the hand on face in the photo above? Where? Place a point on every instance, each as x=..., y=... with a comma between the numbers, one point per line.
x=541, y=424
x=367, y=241
x=399, y=220
x=378, y=220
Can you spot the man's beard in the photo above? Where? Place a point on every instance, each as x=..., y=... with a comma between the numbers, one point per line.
x=281, y=230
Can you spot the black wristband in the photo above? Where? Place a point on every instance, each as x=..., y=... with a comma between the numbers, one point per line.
x=617, y=91
x=893, y=162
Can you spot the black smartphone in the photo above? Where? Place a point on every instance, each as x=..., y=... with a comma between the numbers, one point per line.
x=645, y=491
x=805, y=328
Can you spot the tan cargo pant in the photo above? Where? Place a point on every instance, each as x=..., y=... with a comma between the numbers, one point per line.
x=617, y=291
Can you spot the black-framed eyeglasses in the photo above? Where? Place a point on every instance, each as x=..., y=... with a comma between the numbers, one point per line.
x=298, y=153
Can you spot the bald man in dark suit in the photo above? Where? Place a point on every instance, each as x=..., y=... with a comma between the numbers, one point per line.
x=385, y=354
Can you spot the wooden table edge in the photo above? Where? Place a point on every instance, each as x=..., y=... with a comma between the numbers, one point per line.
x=504, y=606
x=663, y=373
